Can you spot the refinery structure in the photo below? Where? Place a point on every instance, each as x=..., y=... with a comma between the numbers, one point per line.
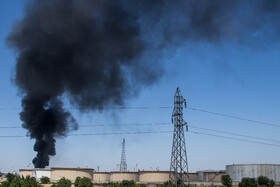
x=236, y=172
x=178, y=173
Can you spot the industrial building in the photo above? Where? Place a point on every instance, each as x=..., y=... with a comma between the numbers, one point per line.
x=143, y=177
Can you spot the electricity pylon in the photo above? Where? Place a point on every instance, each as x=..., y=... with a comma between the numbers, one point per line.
x=179, y=163
x=123, y=166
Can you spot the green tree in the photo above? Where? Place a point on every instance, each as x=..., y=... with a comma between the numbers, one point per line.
x=63, y=183
x=112, y=184
x=271, y=183
x=127, y=183
x=45, y=180
x=226, y=180
x=10, y=177
x=83, y=182
x=29, y=182
x=77, y=181
x=5, y=184
x=15, y=182
x=248, y=182
x=263, y=181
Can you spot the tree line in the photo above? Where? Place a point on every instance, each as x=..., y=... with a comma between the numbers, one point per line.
x=261, y=181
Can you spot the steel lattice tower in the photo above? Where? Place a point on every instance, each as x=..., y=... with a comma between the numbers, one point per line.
x=179, y=163
x=123, y=166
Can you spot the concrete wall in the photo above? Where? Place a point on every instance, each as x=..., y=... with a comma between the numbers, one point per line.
x=101, y=177
x=25, y=172
x=239, y=171
x=120, y=176
x=71, y=173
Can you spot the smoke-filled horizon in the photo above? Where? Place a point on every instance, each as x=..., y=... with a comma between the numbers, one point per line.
x=101, y=52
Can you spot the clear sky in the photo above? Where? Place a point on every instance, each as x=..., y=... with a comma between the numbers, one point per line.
x=228, y=77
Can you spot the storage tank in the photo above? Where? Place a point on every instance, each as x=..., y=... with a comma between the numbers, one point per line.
x=239, y=171
x=153, y=176
x=71, y=173
x=101, y=177
x=25, y=172
x=38, y=173
x=120, y=176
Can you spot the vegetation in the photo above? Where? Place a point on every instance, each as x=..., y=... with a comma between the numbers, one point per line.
x=112, y=184
x=83, y=182
x=248, y=182
x=226, y=180
x=10, y=177
x=62, y=183
x=5, y=184
x=45, y=180
x=264, y=181
x=28, y=182
x=126, y=183
x=20, y=182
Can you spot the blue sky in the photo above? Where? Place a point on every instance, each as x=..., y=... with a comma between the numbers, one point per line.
x=229, y=77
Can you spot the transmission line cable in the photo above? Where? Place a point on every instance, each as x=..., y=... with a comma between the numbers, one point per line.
x=234, y=117
x=160, y=124
x=165, y=107
x=244, y=140
x=153, y=132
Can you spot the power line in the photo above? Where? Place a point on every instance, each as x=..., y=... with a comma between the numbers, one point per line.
x=235, y=117
x=163, y=107
x=154, y=132
x=235, y=134
x=160, y=124
x=243, y=140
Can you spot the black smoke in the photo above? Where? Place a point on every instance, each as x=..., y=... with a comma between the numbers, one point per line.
x=100, y=52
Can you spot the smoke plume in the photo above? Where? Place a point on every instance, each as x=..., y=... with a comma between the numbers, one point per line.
x=100, y=52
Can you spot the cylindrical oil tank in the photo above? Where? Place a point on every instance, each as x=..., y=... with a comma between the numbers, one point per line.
x=239, y=171
x=153, y=176
x=101, y=177
x=71, y=173
x=25, y=172
x=120, y=176
x=38, y=173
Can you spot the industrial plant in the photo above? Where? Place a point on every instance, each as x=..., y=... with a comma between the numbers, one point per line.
x=236, y=172
x=178, y=166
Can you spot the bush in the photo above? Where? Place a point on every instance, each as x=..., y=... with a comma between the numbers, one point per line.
x=112, y=184
x=83, y=182
x=271, y=183
x=10, y=177
x=29, y=182
x=77, y=181
x=248, y=182
x=263, y=181
x=5, y=184
x=45, y=180
x=226, y=180
x=63, y=183
x=15, y=182
x=126, y=183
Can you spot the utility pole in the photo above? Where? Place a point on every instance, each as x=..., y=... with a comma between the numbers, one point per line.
x=123, y=165
x=179, y=164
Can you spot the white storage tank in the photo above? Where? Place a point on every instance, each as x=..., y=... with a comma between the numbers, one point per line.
x=38, y=173
x=71, y=173
x=239, y=171
x=100, y=177
x=117, y=176
x=153, y=176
